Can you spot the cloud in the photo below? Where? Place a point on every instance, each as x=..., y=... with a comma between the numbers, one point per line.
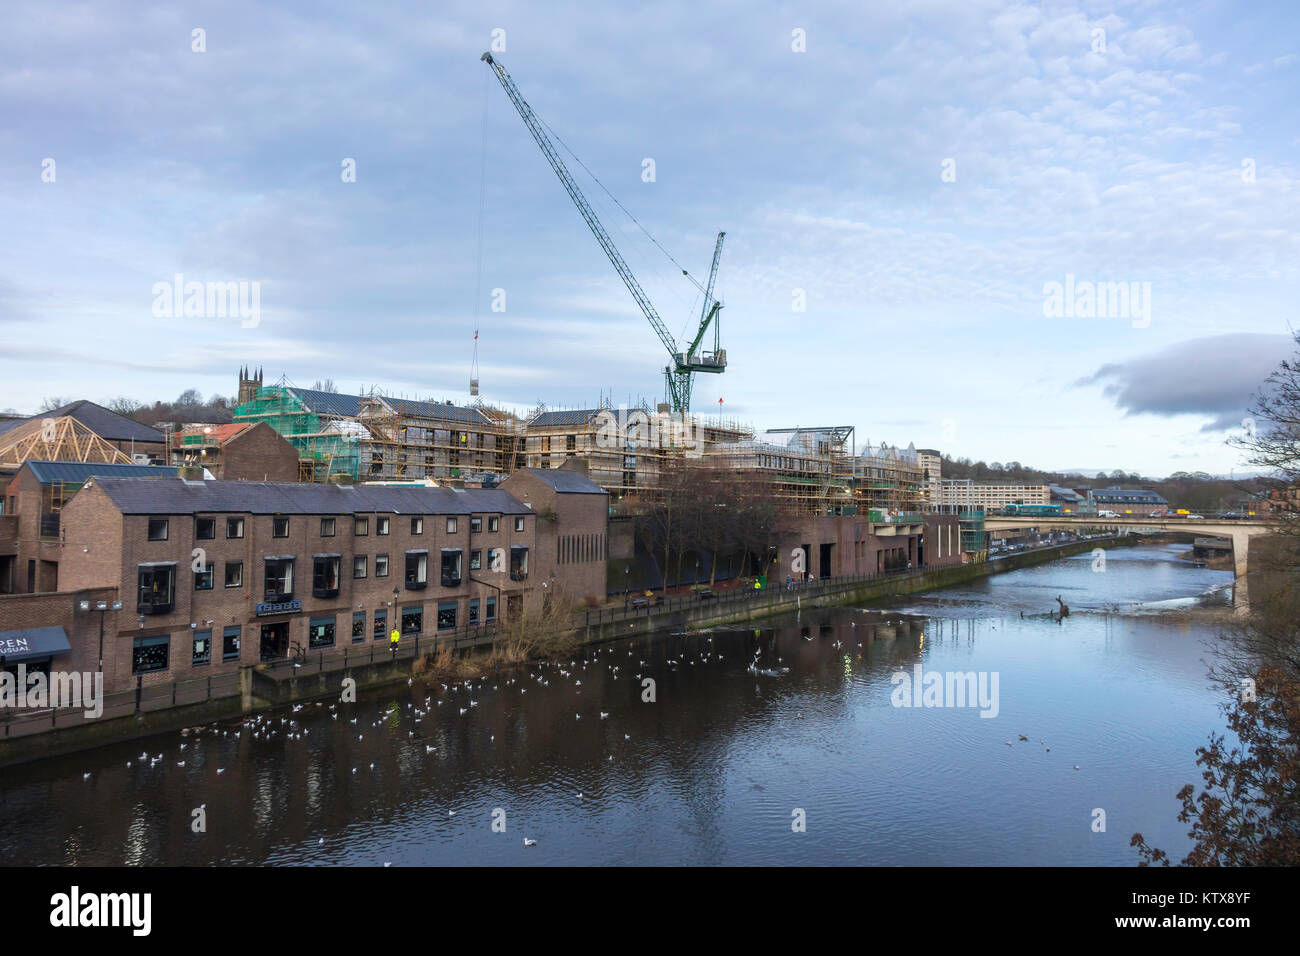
x=1217, y=375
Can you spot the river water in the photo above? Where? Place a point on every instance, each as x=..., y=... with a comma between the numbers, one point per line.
x=724, y=765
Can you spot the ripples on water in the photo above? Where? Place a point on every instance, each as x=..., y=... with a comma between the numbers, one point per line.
x=711, y=772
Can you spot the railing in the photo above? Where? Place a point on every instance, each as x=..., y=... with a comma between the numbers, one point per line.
x=361, y=653
x=518, y=575
x=139, y=699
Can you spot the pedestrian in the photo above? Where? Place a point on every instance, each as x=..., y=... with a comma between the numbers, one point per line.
x=393, y=638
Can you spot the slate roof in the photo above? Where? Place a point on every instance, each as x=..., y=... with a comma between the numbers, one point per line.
x=329, y=403
x=174, y=496
x=106, y=424
x=48, y=472
x=566, y=482
x=438, y=410
x=575, y=417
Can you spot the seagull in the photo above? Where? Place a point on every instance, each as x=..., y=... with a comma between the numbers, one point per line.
x=1076, y=766
x=603, y=715
x=451, y=813
x=221, y=770
x=528, y=842
x=180, y=763
x=322, y=842
x=428, y=749
x=1023, y=737
x=86, y=776
x=577, y=716
x=627, y=736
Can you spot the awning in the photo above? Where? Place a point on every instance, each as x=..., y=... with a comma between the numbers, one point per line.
x=421, y=551
x=279, y=557
x=334, y=554
x=33, y=642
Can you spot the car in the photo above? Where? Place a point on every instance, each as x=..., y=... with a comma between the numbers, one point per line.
x=1107, y=514
x=1197, y=517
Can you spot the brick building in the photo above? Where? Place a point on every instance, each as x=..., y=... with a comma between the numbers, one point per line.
x=31, y=501
x=244, y=451
x=572, y=526
x=215, y=574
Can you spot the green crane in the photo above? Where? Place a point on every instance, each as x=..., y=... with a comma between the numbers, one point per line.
x=679, y=376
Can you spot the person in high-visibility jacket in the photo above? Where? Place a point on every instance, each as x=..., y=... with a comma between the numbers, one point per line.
x=393, y=638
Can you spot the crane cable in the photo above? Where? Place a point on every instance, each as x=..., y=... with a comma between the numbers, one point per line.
x=478, y=268
x=617, y=203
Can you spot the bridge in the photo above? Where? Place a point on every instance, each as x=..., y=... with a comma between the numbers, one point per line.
x=1239, y=532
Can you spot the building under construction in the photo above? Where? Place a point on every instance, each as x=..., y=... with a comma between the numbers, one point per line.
x=375, y=437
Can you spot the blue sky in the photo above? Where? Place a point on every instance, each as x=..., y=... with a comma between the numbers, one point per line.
x=924, y=317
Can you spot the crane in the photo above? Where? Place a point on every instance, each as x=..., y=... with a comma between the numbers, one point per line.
x=678, y=376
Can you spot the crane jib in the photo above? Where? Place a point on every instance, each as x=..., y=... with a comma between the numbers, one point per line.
x=685, y=363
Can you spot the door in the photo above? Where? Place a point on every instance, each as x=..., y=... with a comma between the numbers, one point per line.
x=275, y=640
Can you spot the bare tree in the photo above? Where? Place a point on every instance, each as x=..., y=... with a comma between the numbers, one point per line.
x=50, y=404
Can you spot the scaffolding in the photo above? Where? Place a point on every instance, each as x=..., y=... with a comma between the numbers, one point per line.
x=57, y=439
x=328, y=442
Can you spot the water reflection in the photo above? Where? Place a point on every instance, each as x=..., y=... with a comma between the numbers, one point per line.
x=711, y=771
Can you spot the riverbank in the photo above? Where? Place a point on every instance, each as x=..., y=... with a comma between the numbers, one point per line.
x=258, y=690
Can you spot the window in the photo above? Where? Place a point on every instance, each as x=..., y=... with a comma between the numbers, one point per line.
x=234, y=527
x=203, y=579
x=451, y=525
x=475, y=525
x=519, y=522
x=446, y=615
x=417, y=569
x=381, y=526
x=417, y=525
x=412, y=620
x=451, y=568
x=476, y=560
x=518, y=564
x=491, y=610
x=358, y=626
x=202, y=648
x=205, y=529
x=234, y=574
x=325, y=575
x=359, y=566
x=381, y=565
x=157, y=529
x=150, y=654
x=361, y=527
x=157, y=588
x=230, y=644
x=279, y=527
x=473, y=612
x=327, y=527
x=279, y=579
x=494, y=523
x=381, y=625
x=321, y=633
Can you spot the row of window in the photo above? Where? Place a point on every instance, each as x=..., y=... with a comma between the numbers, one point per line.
x=205, y=529
x=157, y=580
x=154, y=653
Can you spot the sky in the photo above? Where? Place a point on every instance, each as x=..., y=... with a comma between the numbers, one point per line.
x=904, y=193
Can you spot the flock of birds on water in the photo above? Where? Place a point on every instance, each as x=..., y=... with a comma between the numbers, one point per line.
x=462, y=697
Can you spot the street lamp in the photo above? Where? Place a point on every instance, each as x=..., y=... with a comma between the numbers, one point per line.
x=103, y=607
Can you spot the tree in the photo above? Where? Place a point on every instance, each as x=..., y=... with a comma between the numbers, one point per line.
x=50, y=404
x=125, y=406
x=325, y=386
x=1248, y=810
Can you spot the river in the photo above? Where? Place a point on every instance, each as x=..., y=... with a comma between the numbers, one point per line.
x=725, y=766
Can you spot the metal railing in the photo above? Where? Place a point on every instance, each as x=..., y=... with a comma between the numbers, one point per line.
x=143, y=698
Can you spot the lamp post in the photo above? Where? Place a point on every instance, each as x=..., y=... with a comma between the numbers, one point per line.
x=102, y=607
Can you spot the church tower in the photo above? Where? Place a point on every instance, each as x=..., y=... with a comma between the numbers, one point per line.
x=249, y=383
